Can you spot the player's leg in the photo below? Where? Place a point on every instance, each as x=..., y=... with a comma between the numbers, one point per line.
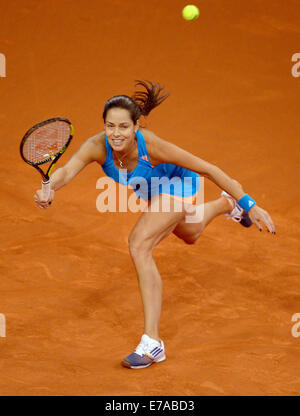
x=190, y=232
x=149, y=230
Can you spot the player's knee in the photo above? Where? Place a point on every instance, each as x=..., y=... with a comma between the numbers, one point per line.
x=191, y=238
x=138, y=247
x=189, y=241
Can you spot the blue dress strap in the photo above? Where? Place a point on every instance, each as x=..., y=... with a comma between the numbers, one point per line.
x=143, y=153
x=109, y=158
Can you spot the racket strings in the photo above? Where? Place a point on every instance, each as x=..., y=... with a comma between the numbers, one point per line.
x=46, y=141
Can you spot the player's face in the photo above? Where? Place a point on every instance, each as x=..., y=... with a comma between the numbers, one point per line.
x=120, y=129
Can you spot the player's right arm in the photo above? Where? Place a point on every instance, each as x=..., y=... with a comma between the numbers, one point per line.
x=92, y=150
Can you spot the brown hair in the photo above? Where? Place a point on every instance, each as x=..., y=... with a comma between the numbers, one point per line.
x=141, y=102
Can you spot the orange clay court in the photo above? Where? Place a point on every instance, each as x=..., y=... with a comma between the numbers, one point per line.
x=68, y=289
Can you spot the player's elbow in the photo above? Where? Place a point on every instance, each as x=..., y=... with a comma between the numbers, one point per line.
x=58, y=179
x=68, y=174
x=209, y=171
x=72, y=168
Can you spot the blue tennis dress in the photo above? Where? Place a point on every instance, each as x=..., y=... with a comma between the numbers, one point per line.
x=147, y=180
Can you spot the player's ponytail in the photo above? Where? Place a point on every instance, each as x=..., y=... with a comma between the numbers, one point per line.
x=141, y=103
x=149, y=99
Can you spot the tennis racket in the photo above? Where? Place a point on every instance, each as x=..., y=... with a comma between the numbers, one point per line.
x=46, y=142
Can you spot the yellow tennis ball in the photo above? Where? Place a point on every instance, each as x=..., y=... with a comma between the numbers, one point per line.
x=190, y=12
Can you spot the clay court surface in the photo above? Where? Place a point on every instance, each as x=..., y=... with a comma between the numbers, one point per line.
x=68, y=288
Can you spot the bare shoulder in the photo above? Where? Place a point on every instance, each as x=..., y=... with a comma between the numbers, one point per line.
x=150, y=137
x=94, y=148
x=158, y=148
x=153, y=140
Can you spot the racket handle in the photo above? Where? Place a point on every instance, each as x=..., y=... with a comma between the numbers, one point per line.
x=46, y=189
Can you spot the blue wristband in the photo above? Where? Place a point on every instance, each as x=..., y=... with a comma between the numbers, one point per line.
x=246, y=203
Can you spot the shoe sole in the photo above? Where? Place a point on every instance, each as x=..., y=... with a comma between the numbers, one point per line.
x=128, y=365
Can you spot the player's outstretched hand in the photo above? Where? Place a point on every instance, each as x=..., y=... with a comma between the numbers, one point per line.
x=258, y=215
x=41, y=201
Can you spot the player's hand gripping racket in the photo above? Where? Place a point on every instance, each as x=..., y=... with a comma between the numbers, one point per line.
x=46, y=142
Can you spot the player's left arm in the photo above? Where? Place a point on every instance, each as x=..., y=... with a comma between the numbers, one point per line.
x=162, y=151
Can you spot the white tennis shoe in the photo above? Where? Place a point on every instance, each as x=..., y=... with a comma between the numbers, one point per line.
x=148, y=351
x=237, y=214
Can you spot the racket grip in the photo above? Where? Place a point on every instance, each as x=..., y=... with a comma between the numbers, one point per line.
x=46, y=189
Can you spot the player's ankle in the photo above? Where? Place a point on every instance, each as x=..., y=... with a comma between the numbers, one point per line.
x=153, y=336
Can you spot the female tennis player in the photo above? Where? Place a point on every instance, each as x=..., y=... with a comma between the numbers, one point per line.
x=125, y=145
